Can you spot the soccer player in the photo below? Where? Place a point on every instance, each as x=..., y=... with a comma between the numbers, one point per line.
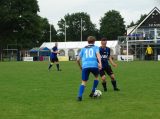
x=91, y=61
x=106, y=68
x=54, y=58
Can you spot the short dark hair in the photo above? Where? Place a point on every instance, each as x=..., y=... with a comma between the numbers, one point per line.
x=103, y=39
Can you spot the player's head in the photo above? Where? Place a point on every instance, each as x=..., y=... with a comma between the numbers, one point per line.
x=91, y=39
x=103, y=42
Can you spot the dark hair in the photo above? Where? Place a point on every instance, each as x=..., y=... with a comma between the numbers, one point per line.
x=103, y=39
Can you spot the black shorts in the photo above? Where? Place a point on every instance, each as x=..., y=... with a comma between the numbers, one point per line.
x=55, y=59
x=107, y=69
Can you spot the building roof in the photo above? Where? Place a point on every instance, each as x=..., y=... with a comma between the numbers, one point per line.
x=131, y=29
x=147, y=18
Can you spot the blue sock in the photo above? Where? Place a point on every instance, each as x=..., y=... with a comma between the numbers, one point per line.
x=81, y=90
x=95, y=84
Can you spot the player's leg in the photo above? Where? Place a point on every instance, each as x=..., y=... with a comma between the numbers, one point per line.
x=85, y=75
x=95, y=72
x=81, y=90
x=113, y=81
x=103, y=77
x=57, y=64
x=51, y=63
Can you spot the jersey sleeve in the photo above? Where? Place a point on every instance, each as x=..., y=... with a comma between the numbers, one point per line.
x=81, y=53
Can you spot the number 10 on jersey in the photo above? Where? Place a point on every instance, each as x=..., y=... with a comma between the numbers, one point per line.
x=89, y=53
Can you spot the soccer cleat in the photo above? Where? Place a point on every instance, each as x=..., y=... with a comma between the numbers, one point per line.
x=59, y=70
x=79, y=99
x=91, y=94
x=116, y=89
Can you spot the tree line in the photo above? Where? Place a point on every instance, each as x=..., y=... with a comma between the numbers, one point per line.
x=20, y=24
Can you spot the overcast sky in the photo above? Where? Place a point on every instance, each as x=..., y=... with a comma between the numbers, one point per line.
x=130, y=10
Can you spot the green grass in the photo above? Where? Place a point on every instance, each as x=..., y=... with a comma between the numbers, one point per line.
x=29, y=91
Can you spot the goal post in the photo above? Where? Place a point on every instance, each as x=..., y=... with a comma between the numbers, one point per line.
x=137, y=42
x=9, y=54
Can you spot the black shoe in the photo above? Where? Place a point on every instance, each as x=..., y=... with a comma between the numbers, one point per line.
x=79, y=99
x=59, y=70
x=116, y=89
x=91, y=94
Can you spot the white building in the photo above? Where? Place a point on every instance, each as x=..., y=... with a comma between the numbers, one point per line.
x=149, y=28
x=147, y=32
x=72, y=49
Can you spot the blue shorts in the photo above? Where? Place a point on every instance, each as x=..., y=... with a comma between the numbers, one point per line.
x=86, y=72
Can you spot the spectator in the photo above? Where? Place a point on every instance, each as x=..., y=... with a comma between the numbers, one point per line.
x=149, y=53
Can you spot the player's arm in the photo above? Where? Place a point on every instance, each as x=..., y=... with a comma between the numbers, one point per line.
x=99, y=60
x=112, y=62
x=55, y=51
x=78, y=62
x=79, y=59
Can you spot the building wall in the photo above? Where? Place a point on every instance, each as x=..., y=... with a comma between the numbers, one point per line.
x=146, y=33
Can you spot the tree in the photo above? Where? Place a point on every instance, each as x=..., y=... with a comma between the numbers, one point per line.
x=73, y=27
x=131, y=24
x=19, y=22
x=112, y=25
x=45, y=32
x=142, y=17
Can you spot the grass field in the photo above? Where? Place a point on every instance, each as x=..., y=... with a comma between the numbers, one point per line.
x=29, y=91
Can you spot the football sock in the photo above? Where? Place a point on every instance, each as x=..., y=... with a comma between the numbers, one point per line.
x=50, y=66
x=95, y=84
x=104, y=84
x=81, y=90
x=114, y=83
x=57, y=66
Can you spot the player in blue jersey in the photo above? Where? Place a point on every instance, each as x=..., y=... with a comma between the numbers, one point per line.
x=54, y=58
x=91, y=61
x=106, y=68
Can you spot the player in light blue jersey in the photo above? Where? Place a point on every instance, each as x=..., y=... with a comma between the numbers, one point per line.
x=91, y=61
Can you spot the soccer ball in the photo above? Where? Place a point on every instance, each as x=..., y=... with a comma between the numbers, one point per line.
x=97, y=93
